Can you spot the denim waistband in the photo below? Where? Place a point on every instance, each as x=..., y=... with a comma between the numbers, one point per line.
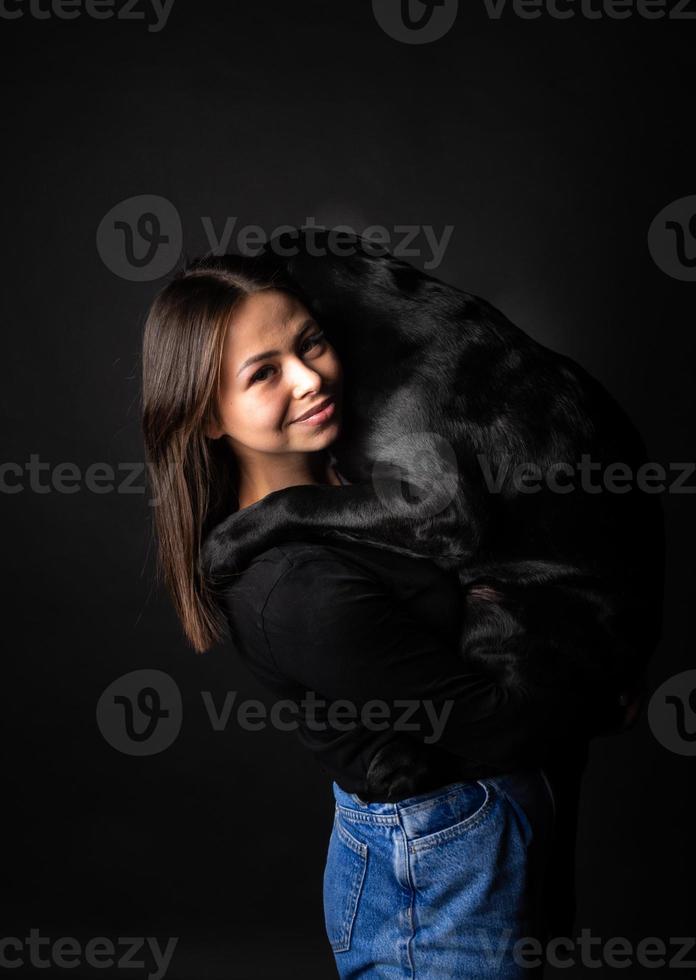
x=353, y=802
x=526, y=786
x=413, y=813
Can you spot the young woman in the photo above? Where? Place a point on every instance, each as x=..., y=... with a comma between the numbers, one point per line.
x=242, y=396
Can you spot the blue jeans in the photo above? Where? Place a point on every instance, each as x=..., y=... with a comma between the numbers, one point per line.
x=443, y=884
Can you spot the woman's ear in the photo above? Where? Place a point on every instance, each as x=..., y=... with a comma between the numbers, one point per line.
x=212, y=428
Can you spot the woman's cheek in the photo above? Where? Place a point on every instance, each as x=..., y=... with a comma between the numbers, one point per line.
x=271, y=416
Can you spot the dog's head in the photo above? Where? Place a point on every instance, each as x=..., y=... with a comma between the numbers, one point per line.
x=400, y=334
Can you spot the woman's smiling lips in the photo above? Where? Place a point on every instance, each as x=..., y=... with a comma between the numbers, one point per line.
x=317, y=418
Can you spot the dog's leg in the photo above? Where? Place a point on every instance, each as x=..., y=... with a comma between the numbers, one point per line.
x=555, y=649
x=320, y=512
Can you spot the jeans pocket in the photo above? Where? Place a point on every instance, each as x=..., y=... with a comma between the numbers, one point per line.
x=344, y=874
x=455, y=815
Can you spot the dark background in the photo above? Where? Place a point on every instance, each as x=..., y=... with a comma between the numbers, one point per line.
x=550, y=146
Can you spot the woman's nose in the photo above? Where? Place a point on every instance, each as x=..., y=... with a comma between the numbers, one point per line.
x=302, y=378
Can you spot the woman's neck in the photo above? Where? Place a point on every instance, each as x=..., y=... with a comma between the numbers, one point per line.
x=254, y=484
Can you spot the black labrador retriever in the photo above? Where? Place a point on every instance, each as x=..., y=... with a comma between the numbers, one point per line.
x=468, y=442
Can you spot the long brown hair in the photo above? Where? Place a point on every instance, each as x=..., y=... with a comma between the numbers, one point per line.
x=192, y=478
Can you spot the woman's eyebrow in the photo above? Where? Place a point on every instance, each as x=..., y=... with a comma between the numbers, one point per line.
x=271, y=353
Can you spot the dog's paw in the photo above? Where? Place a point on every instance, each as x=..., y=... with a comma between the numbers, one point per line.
x=397, y=770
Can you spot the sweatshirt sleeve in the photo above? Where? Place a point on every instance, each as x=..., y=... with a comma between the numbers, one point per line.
x=337, y=632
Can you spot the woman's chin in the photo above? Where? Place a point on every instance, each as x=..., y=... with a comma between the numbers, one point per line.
x=324, y=435
x=320, y=440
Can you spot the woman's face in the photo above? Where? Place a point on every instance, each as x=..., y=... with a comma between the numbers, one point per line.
x=261, y=397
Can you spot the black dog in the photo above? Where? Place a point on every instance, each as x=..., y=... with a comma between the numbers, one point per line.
x=468, y=442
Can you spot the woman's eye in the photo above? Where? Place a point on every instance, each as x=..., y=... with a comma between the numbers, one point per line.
x=315, y=339
x=257, y=377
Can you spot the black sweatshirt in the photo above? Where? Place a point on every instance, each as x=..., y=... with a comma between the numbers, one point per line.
x=348, y=622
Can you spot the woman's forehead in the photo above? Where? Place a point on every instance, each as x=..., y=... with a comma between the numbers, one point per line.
x=261, y=321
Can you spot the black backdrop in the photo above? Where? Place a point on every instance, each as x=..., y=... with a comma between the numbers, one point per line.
x=549, y=145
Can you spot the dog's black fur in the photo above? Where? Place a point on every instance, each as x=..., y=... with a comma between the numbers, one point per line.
x=562, y=592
